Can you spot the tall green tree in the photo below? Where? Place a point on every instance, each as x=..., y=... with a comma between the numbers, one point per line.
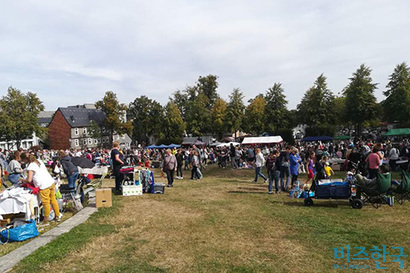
x=218, y=117
x=173, y=127
x=396, y=106
x=19, y=116
x=147, y=116
x=254, y=120
x=115, y=115
x=208, y=86
x=361, y=105
x=235, y=111
x=195, y=104
x=275, y=110
x=316, y=109
x=198, y=116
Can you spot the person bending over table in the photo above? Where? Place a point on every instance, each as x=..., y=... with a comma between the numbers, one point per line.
x=14, y=168
x=38, y=174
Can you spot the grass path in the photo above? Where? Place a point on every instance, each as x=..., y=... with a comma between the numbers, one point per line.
x=222, y=223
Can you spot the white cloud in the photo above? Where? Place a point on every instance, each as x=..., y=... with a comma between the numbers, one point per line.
x=80, y=49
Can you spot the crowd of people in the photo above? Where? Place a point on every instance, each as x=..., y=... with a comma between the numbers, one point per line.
x=283, y=162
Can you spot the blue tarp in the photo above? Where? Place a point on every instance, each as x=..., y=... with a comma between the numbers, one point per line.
x=317, y=138
x=174, y=145
x=162, y=146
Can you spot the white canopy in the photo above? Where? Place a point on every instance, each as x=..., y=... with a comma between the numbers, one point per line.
x=262, y=140
x=228, y=144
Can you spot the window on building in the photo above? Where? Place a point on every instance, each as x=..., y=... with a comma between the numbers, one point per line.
x=84, y=131
x=90, y=141
x=84, y=141
x=95, y=141
x=76, y=142
x=76, y=132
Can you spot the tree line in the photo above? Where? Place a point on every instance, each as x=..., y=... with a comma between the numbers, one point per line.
x=199, y=110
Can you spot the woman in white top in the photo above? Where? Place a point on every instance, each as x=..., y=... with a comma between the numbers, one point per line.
x=393, y=157
x=259, y=162
x=41, y=178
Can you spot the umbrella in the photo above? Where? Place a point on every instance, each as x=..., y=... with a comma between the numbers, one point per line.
x=82, y=162
x=398, y=132
x=174, y=145
x=342, y=137
x=198, y=143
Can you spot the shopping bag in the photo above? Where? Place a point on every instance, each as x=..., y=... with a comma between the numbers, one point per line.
x=20, y=233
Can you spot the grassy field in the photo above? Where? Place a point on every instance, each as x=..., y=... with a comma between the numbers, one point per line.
x=222, y=223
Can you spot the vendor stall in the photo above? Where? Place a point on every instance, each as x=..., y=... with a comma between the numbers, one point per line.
x=15, y=200
x=221, y=145
x=316, y=138
x=262, y=140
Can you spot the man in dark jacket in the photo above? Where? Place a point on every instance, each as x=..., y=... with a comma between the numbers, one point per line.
x=180, y=162
x=233, y=154
x=70, y=170
x=284, y=169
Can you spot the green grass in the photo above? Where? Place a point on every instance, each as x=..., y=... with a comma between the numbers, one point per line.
x=222, y=223
x=58, y=249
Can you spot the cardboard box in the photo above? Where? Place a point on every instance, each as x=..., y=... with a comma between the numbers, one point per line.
x=336, y=167
x=130, y=190
x=4, y=222
x=103, y=198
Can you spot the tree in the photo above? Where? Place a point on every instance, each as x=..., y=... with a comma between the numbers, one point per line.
x=275, y=110
x=254, y=120
x=316, y=109
x=218, y=117
x=115, y=113
x=198, y=116
x=173, y=127
x=361, y=105
x=235, y=111
x=397, y=104
x=19, y=116
x=96, y=131
x=147, y=116
x=207, y=85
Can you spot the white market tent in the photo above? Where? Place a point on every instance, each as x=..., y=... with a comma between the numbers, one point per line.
x=228, y=144
x=262, y=140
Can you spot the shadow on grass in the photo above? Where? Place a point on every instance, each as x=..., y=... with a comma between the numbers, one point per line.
x=248, y=192
x=317, y=203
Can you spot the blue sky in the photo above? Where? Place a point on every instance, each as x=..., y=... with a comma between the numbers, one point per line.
x=71, y=52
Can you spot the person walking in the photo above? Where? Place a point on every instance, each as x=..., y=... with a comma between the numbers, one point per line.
x=284, y=169
x=180, y=161
x=309, y=167
x=259, y=162
x=295, y=160
x=195, y=164
x=169, y=166
x=273, y=171
x=41, y=178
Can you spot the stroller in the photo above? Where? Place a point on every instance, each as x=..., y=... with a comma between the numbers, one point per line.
x=402, y=191
x=333, y=189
